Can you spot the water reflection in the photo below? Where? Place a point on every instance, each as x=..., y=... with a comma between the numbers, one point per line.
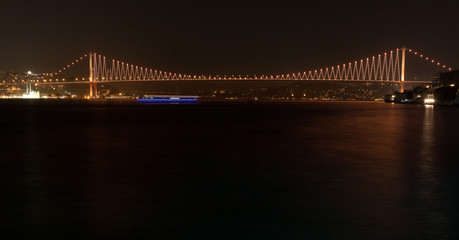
x=429, y=191
x=426, y=160
x=313, y=170
x=427, y=142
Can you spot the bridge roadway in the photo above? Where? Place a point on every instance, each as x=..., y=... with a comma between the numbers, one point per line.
x=235, y=79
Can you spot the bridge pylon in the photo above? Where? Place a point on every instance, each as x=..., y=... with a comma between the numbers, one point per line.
x=402, y=76
x=92, y=84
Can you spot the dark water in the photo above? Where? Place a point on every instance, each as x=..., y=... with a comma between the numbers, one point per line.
x=229, y=171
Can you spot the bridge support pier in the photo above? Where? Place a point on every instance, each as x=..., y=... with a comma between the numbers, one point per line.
x=93, y=90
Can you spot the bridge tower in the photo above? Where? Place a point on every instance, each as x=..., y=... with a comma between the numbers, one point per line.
x=92, y=84
x=402, y=77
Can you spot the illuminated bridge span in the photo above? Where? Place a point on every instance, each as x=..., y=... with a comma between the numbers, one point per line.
x=388, y=67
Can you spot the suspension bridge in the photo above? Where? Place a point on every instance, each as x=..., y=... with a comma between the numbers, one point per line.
x=387, y=67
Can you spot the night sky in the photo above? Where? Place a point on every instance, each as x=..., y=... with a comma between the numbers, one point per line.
x=223, y=37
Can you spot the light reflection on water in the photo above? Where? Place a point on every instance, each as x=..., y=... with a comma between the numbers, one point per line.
x=427, y=144
x=230, y=171
x=431, y=196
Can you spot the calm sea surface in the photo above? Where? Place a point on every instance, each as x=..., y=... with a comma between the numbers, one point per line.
x=229, y=171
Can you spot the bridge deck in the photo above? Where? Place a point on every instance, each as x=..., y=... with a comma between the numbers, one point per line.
x=224, y=80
